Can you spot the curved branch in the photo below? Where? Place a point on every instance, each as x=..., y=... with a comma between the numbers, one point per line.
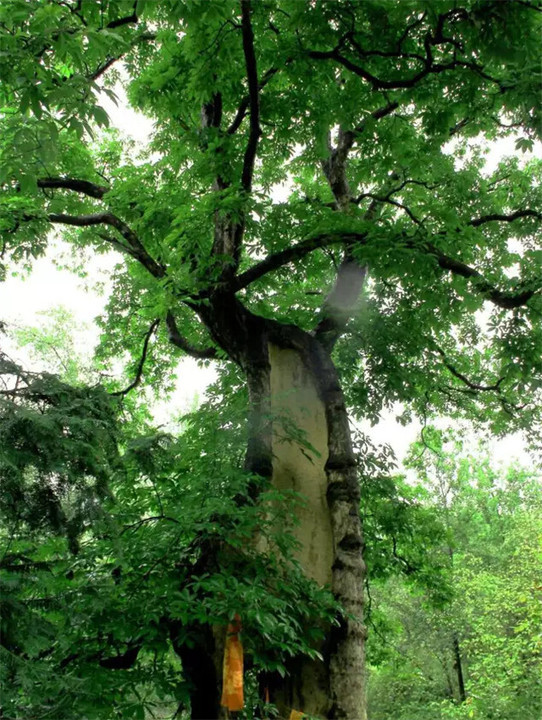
x=496, y=387
x=75, y=184
x=295, y=252
x=136, y=248
x=387, y=199
x=505, y=300
x=139, y=372
x=180, y=341
x=429, y=66
x=498, y=217
x=403, y=83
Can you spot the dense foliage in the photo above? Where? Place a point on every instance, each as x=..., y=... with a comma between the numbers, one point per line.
x=474, y=652
x=105, y=537
x=316, y=175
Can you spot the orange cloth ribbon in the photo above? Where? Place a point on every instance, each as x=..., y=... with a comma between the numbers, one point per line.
x=297, y=715
x=232, y=681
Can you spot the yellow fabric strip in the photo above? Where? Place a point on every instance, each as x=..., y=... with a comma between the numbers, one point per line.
x=232, y=680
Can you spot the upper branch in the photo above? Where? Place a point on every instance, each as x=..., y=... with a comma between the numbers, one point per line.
x=245, y=102
x=135, y=247
x=427, y=61
x=496, y=387
x=341, y=301
x=334, y=166
x=75, y=184
x=494, y=217
x=389, y=200
x=502, y=299
x=108, y=62
x=126, y=20
x=139, y=372
x=103, y=67
x=294, y=252
x=254, y=98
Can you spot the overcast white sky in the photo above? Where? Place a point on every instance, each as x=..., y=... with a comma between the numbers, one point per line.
x=22, y=299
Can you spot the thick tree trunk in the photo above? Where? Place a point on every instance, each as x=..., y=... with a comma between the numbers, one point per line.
x=312, y=455
x=346, y=654
x=300, y=440
x=300, y=452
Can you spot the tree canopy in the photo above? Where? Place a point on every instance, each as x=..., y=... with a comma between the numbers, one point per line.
x=315, y=213
x=416, y=113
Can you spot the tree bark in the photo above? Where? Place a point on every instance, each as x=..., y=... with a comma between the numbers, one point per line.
x=300, y=452
x=312, y=455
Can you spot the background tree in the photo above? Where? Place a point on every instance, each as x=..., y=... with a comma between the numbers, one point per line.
x=353, y=107
x=467, y=645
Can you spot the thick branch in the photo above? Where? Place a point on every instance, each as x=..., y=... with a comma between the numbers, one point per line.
x=295, y=252
x=180, y=341
x=123, y=661
x=498, y=217
x=253, y=92
x=502, y=299
x=126, y=20
x=75, y=184
x=139, y=372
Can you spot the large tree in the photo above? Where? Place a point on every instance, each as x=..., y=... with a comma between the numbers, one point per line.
x=394, y=268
